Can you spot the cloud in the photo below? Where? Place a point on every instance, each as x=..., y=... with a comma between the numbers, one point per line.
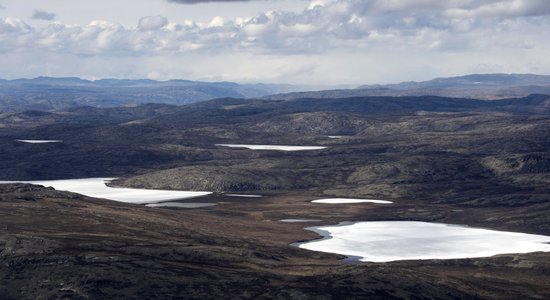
x=152, y=23
x=503, y=9
x=354, y=25
x=412, y=29
x=2, y=7
x=43, y=15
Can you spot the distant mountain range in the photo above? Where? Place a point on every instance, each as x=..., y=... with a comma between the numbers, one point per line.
x=47, y=93
x=475, y=86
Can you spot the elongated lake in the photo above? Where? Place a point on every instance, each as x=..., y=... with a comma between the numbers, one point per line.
x=350, y=201
x=181, y=205
x=97, y=188
x=273, y=147
x=39, y=141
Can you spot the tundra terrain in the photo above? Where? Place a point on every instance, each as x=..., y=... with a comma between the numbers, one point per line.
x=449, y=160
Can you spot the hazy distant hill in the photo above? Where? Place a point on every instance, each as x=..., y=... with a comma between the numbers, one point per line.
x=46, y=93
x=477, y=86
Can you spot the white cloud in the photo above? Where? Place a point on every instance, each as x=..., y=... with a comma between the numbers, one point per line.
x=216, y=22
x=316, y=4
x=152, y=23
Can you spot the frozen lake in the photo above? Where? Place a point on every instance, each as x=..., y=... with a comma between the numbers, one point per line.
x=39, y=141
x=181, y=205
x=95, y=187
x=299, y=220
x=244, y=195
x=273, y=147
x=349, y=201
x=403, y=240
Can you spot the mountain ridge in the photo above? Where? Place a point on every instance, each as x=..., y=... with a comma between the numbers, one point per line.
x=50, y=93
x=474, y=79
x=476, y=86
x=54, y=93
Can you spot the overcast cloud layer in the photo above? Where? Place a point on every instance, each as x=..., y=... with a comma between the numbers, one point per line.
x=344, y=41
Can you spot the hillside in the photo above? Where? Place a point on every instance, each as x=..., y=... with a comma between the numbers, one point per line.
x=113, y=250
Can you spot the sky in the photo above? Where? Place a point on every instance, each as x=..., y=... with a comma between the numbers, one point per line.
x=318, y=42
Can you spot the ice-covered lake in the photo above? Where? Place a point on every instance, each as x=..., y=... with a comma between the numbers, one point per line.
x=244, y=195
x=273, y=147
x=97, y=188
x=407, y=240
x=299, y=220
x=39, y=141
x=349, y=201
x=181, y=205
